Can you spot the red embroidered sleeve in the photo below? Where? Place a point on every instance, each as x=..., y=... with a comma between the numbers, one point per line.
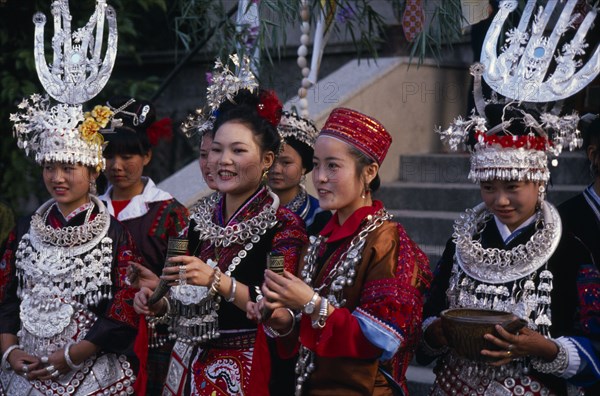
x=171, y=219
x=391, y=301
x=7, y=264
x=289, y=239
x=402, y=307
x=341, y=337
x=121, y=308
x=9, y=303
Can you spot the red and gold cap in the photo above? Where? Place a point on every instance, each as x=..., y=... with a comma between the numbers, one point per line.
x=359, y=130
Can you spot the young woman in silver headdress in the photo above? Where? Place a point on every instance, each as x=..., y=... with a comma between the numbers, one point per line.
x=67, y=321
x=288, y=173
x=232, y=234
x=509, y=254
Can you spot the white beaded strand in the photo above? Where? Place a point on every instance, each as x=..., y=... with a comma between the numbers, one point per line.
x=302, y=61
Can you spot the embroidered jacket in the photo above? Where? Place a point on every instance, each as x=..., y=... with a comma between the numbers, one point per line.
x=286, y=239
x=381, y=320
x=231, y=353
x=580, y=216
x=151, y=218
x=114, y=326
x=575, y=307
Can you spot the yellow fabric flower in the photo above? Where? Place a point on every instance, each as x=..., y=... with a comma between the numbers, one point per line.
x=102, y=114
x=89, y=128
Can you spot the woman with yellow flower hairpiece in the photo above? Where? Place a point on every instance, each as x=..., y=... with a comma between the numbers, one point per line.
x=67, y=318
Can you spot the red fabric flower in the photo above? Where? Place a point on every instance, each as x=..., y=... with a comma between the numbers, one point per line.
x=270, y=107
x=161, y=129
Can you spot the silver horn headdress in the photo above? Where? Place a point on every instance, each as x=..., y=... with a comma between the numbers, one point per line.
x=224, y=84
x=63, y=132
x=542, y=62
x=77, y=73
x=521, y=70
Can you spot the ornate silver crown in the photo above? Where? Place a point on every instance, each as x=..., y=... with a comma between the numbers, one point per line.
x=521, y=71
x=530, y=72
x=300, y=128
x=77, y=73
x=63, y=132
x=224, y=84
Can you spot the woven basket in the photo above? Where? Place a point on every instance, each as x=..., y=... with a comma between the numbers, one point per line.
x=464, y=329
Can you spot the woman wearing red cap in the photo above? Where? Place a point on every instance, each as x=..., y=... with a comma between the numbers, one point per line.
x=359, y=288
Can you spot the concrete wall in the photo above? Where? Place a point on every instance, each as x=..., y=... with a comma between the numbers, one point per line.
x=409, y=101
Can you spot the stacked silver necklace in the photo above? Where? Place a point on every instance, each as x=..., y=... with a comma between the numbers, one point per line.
x=479, y=275
x=67, y=236
x=197, y=318
x=60, y=272
x=251, y=229
x=340, y=276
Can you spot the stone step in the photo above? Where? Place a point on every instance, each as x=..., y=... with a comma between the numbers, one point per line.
x=419, y=379
x=450, y=197
x=429, y=229
x=573, y=168
x=433, y=252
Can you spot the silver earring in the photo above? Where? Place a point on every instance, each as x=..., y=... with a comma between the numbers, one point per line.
x=541, y=193
x=93, y=189
x=366, y=191
x=303, y=180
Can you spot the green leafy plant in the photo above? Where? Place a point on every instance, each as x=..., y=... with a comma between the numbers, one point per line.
x=357, y=19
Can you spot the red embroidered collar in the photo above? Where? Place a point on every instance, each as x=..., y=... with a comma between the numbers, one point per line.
x=337, y=232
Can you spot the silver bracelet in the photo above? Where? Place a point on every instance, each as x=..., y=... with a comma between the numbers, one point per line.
x=152, y=320
x=232, y=294
x=72, y=366
x=323, y=314
x=214, y=286
x=6, y=353
x=557, y=366
x=272, y=333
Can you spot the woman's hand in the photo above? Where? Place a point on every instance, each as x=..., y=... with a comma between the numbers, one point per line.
x=285, y=291
x=434, y=335
x=191, y=269
x=280, y=320
x=525, y=343
x=140, y=303
x=252, y=311
x=139, y=276
x=51, y=367
x=22, y=362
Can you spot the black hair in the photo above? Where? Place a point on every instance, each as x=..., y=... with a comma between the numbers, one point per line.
x=591, y=134
x=362, y=160
x=304, y=150
x=244, y=109
x=131, y=137
x=495, y=4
